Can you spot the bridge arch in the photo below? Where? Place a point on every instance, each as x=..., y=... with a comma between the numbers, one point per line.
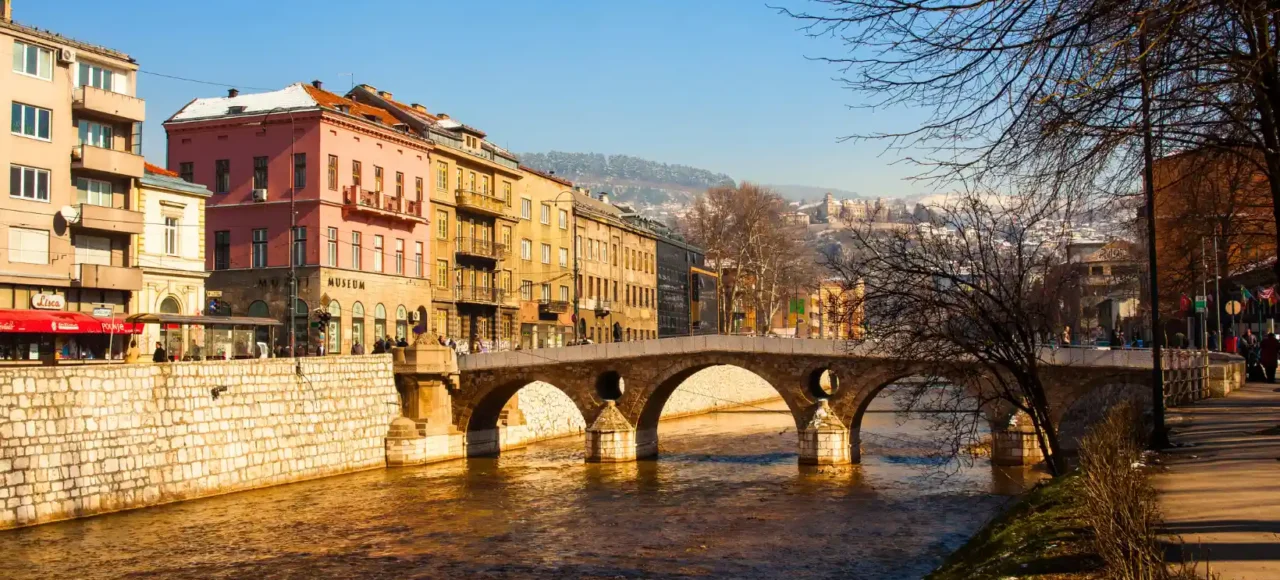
x=480, y=418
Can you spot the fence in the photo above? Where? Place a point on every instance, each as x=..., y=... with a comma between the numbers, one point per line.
x=1186, y=376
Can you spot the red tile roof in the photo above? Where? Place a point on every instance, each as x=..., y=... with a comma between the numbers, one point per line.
x=159, y=170
x=331, y=101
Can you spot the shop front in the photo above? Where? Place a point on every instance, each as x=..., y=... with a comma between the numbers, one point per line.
x=188, y=337
x=56, y=337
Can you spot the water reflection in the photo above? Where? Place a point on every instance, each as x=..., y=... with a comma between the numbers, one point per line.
x=726, y=498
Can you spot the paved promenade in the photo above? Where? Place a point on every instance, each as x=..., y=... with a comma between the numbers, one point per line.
x=1221, y=492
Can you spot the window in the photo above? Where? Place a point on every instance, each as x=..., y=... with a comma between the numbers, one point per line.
x=546, y=253
x=95, y=134
x=333, y=172
x=564, y=220
x=299, y=171
x=564, y=257
x=259, y=172
x=564, y=293
x=417, y=259
x=331, y=248
x=442, y=322
x=260, y=248
x=471, y=182
x=222, y=176
x=399, y=256
x=505, y=281
x=28, y=246
x=92, y=249
x=103, y=78
x=221, y=250
x=377, y=253
x=170, y=236
x=442, y=176
x=546, y=292
x=506, y=237
x=526, y=250
x=484, y=184
x=399, y=184
x=300, y=246
x=442, y=273
x=442, y=225
x=377, y=179
x=32, y=60
x=526, y=290
x=545, y=218
x=604, y=252
x=506, y=192
x=459, y=176
x=355, y=250
x=355, y=173
x=31, y=121
x=417, y=187
x=187, y=171
x=28, y=183
x=526, y=208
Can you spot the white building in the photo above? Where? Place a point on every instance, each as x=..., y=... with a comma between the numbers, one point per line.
x=171, y=255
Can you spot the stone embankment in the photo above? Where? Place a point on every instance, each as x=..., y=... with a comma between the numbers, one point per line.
x=77, y=441
x=549, y=413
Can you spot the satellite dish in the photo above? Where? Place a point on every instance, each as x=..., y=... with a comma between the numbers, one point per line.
x=70, y=213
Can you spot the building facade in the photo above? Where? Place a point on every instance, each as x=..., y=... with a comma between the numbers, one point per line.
x=617, y=276
x=544, y=269
x=472, y=192
x=71, y=214
x=170, y=252
x=677, y=262
x=351, y=178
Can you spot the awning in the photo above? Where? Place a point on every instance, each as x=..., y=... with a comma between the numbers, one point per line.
x=47, y=321
x=194, y=320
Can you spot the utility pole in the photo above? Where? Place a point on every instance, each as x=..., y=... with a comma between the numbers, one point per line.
x=293, y=230
x=1159, y=439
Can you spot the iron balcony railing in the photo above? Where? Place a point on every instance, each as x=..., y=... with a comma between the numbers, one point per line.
x=480, y=201
x=554, y=306
x=477, y=294
x=482, y=248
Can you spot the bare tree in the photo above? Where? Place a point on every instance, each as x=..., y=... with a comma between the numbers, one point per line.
x=968, y=292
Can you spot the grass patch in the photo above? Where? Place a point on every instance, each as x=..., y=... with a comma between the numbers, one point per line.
x=1043, y=536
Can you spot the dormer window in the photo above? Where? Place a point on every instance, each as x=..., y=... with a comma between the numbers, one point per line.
x=235, y=109
x=402, y=127
x=373, y=118
x=343, y=108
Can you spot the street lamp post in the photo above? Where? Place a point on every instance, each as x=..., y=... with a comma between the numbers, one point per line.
x=1159, y=439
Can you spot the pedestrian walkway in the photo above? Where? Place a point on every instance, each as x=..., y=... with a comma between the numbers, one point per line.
x=1221, y=492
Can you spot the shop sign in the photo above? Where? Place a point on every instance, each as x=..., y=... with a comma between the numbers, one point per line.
x=48, y=301
x=346, y=283
x=102, y=312
x=213, y=293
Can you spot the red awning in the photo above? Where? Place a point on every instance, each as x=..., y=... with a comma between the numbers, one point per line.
x=45, y=321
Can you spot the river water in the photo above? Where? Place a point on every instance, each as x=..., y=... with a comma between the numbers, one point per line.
x=725, y=500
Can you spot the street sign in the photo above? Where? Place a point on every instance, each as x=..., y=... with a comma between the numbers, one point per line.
x=1200, y=303
x=102, y=312
x=213, y=293
x=1233, y=307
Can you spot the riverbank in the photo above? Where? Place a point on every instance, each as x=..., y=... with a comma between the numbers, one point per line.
x=1042, y=535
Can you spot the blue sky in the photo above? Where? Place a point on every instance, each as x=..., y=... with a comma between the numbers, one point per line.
x=718, y=84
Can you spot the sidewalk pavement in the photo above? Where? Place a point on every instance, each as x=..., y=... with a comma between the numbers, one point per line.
x=1221, y=491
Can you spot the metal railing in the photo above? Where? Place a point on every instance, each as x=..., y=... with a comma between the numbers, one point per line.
x=554, y=306
x=481, y=247
x=476, y=200
x=480, y=294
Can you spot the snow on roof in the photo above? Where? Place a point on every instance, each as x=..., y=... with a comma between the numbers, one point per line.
x=449, y=124
x=294, y=96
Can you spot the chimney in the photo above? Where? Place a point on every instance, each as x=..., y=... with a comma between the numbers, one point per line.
x=604, y=197
x=233, y=93
x=419, y=108
x=385, y=94
x=317, y=84
x=442, y=115
x=6, y=10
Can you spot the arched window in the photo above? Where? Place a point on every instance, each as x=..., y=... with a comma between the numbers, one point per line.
x=334, y=333
x=402, y=322
x=357, y=324
x=170, y=306
x=259, y=309
x=379, y=321
x=171, y=338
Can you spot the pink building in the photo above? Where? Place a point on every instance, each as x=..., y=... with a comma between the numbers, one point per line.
x=352, y=175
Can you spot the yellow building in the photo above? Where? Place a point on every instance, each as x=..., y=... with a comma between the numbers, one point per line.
x=473, y=215
x=617, y=273
x=544, y=259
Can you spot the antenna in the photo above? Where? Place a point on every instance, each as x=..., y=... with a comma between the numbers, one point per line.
x=351, y=76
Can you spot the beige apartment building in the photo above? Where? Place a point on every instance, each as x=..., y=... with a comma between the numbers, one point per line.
x=617, y=273
x=73, y=150
x=544, y=264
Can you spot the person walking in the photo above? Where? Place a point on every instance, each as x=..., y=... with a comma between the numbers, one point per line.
x=131, y=355
x=159, y=355
x=1267, y=352
x=379, y=347
x=1066, y=336
x=357, y=348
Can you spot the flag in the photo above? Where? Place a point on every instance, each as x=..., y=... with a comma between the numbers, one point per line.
x=1268, y=294
x=1184, y=304
x=1245, y=296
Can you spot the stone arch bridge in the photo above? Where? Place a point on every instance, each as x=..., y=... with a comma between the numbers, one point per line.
x=624, y=421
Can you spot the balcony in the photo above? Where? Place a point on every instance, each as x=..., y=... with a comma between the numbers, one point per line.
x=481, y=248
x=108, y=161
x=357, y=200
x=480, y=203
x=109, y=277
x=603, y=306
x=554, y=306
x=109, y=219
x=108, y=104
x=477, y=294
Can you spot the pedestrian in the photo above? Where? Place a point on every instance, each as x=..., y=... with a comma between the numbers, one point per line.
x=1267, y=352
x=1066, y=336
x=131, y=355
x=403, y=342
x=356, y=347
x=159, y=355
x=1213, y=340
x=379, y=347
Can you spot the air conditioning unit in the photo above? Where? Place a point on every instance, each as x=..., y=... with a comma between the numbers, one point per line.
x=67, y=55
x=259, y=195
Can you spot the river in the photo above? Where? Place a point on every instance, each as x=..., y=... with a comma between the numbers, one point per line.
x=725, y=500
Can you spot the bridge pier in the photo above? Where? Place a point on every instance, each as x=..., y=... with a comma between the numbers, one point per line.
x=825, y=440
x=425, y=374
x=611, y=438
x=1015, y=445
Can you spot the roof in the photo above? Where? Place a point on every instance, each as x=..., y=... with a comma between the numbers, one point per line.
x=298, y=96
x=438, y=122
x=159, y=170
x=165, y=179
x=545, y=175
x=58, y=38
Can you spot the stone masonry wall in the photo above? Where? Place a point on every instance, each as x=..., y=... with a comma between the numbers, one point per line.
x=76, y=441
x=550, y=413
